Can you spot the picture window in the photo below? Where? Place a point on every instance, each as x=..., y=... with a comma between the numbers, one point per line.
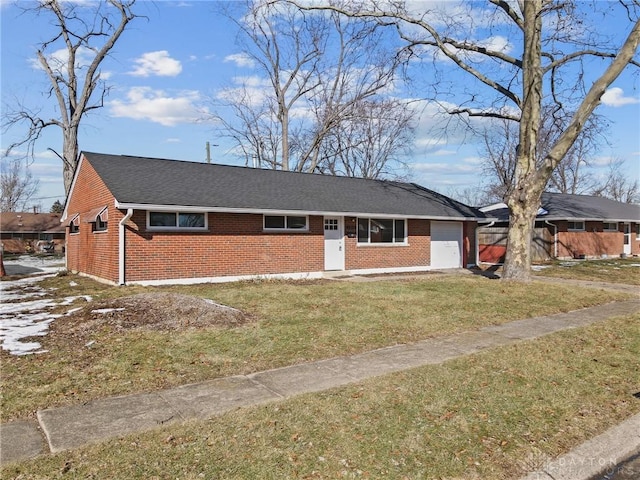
x=381, y=230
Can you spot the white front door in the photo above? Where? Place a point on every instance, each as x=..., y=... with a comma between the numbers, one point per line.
x=333, y=244
x=627, y=239
x=446, y=244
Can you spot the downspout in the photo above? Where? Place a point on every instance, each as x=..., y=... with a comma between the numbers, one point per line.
x=478, y=240
x=121, y=246
x=555, y=238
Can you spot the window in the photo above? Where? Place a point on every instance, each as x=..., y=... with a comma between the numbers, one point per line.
x=331, y=224
x=285, y=222
x=99, y=225
x=74, y=224
x=610, y=226
x=637, y=231
x=576, y=226
x=176, y=220
x=381, y=230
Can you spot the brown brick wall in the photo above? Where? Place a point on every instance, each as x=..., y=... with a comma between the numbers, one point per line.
x=92, y=253
x=234, y=245
x=594, y=241
x=417, y=253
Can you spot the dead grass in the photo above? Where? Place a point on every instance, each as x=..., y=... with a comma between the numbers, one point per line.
x=495, y=415
x=612, y=270
x=284, y=323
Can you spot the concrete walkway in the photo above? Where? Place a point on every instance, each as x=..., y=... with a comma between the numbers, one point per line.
x=64, y=428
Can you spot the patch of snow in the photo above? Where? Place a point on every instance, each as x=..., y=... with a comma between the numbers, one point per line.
x=107, y=310
x=73, y=284
x=34, y=265
x=25, y=316
x=538, y=268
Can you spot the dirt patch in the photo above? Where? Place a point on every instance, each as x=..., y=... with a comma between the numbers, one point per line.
x=150, y=311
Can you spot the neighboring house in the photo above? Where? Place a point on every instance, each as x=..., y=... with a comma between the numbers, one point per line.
x=568, y=226
x=25, y=232
x=153, y=221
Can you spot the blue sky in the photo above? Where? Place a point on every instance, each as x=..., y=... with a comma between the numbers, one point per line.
x=166, y=68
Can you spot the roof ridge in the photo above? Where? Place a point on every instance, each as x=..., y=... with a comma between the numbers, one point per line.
x=245, y=167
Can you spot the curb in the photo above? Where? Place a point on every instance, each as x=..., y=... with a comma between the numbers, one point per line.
x=600, y=456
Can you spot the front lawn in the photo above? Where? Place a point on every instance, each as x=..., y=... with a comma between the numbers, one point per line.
x=287, y=323
x=613, y=270
x=498, y=414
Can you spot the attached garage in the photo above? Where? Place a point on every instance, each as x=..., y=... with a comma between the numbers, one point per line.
x=446, y=244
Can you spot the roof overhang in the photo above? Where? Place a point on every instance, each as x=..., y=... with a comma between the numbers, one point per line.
x=261, y=211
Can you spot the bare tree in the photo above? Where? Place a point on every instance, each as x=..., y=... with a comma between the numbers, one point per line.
x=557, y=52
x=320, y=71
x=572, y=175
x=17, y=186
x=617, y=185
x=86, y=33
x=371, y=141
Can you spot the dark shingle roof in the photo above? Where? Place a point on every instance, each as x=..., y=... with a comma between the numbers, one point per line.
x=152, y=181
x=563, y=206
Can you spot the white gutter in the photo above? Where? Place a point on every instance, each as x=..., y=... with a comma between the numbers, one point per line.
x=191, y=208
x=121, y=246
x=555, y=238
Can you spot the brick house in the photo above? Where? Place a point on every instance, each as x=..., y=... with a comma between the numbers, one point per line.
x=31, y=232
x=569, y=226
x=135, y=220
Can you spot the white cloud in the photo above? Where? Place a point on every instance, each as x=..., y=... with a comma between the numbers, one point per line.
x=614, y=97
x=144, y=103
x=156, y=63
x=241, y=60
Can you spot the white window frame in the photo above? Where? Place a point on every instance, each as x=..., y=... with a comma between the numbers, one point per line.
x=606, y=225
x=286, y=223
x=177, y=228
x=576, y=228
x=380, y=244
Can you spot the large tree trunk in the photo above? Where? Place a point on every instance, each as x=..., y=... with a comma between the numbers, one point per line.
x=524, y=199
x=523, y=208
x=70, y=155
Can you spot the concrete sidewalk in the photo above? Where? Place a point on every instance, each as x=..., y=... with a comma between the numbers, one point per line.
x=70, y=427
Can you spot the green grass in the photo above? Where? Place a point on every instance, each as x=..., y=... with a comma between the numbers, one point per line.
x=613, y=270
x=494, y=415
x=293, y=322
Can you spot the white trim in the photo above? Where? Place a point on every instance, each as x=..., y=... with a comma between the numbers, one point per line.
x=73, y=184
x=605, y=229
x=267, y=211
x=227, y=279
x=283, y=276
x=121, y=246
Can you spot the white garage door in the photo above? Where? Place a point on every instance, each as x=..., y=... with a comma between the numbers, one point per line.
x=446, y=244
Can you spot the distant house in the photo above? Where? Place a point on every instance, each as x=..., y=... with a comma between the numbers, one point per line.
x=568, y=226
x=23, y=232
x=153, y=221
